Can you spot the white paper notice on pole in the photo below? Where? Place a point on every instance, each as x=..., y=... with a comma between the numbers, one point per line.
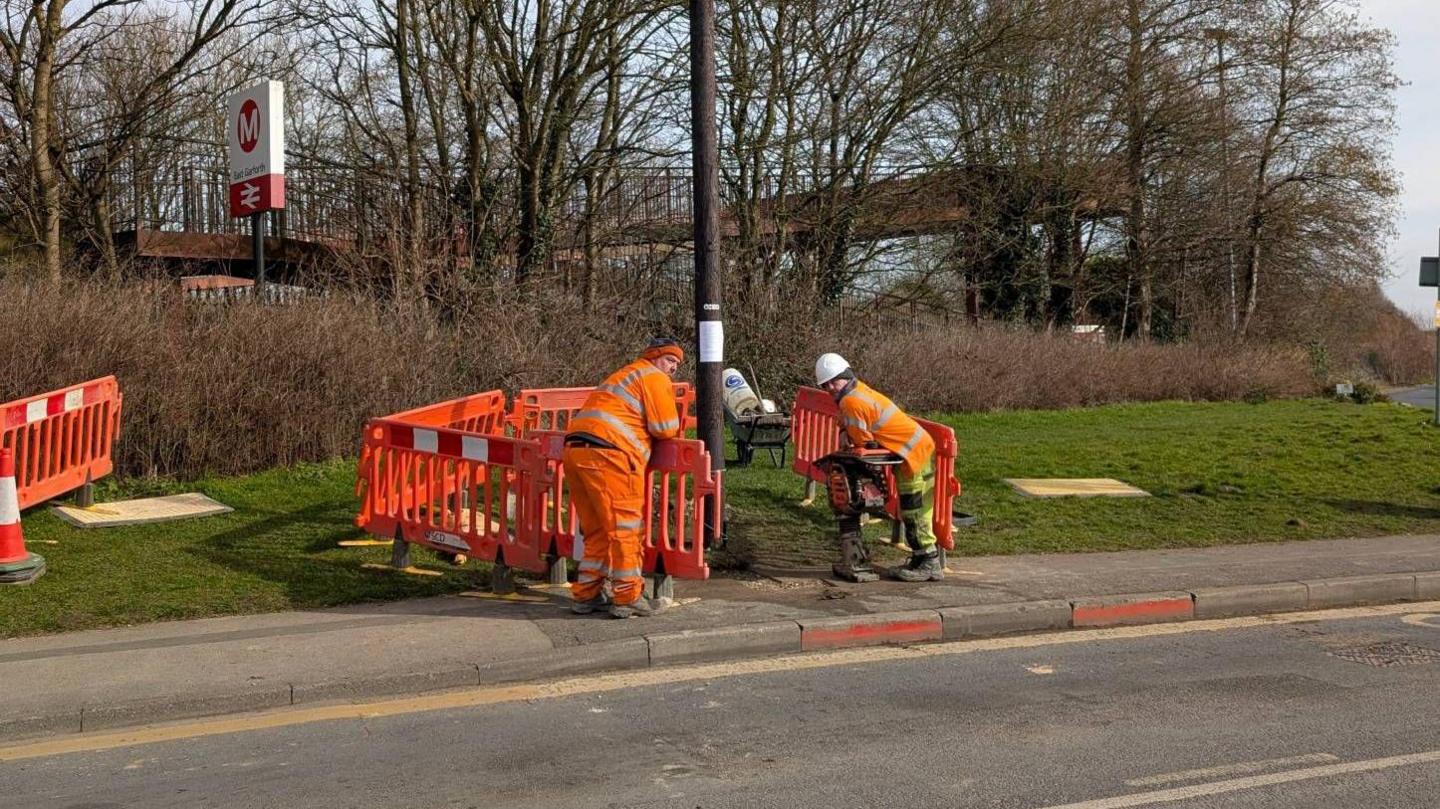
x=712, y=341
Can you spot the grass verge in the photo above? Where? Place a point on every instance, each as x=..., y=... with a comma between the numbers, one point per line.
x=1219, y=473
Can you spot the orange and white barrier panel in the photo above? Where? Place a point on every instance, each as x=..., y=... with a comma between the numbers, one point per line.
x=62, y=440
x=482, y=413
x=447, y=476
x=816, y=432
x=453, y=491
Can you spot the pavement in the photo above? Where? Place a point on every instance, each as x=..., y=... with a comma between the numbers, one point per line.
x=1319, y=710
x=104, y=679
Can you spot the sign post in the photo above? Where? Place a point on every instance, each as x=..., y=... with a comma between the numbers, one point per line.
x=256, y=142
x=1430, y=277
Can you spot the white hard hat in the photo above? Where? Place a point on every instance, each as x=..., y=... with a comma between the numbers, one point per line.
x=828, y=367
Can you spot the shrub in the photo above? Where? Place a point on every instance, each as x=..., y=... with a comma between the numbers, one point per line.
x=229, y=389
x=1366, y=393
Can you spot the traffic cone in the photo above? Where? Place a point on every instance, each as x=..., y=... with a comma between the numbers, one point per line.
x=17, y=566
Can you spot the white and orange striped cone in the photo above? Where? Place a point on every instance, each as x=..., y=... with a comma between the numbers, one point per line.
x=17, y=566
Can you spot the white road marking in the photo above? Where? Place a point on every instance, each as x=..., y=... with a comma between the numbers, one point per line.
x=1231, y=769
x=1253, y=782
x=1425, y=619
x=1040, y=669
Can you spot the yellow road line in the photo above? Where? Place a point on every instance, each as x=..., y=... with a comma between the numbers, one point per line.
x=599, y=683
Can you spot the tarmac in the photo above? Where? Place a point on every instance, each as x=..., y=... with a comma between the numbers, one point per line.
x=88, y=681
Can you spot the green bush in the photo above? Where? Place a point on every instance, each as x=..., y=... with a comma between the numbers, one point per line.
x=1366, y=393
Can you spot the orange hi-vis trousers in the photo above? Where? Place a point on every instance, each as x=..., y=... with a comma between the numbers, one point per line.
x=608, y=494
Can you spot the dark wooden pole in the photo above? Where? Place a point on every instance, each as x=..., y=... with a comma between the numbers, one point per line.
x=708, y=282
x=709, y=286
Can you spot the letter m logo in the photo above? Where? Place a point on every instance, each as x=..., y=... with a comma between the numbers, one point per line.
x=247, y=128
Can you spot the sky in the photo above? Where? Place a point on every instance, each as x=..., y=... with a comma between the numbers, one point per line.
x=1416, y=24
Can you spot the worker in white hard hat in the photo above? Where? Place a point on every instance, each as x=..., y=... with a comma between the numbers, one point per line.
x=870, y=419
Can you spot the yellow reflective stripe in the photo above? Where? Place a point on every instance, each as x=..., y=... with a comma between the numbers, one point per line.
x=600, y=415
x=868, y=396
x=625, y=396
x=633, y=376
x=914, y=439
x=619, y=388
x=884, y=416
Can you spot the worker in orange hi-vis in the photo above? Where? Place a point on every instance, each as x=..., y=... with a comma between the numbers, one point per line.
x=606, y=451
x=869, y=419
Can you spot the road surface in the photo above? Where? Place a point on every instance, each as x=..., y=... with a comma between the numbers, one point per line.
x=1322, y=710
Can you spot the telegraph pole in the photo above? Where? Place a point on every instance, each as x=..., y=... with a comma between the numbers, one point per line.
x=709, y=286
x=1430, y=277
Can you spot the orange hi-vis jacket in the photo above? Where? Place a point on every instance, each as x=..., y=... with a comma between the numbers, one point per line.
x=868, y=416
x=633, y=406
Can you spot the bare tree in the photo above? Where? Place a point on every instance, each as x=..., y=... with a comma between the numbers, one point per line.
x=1320, y=112
x=45, y=42
x=548, y=57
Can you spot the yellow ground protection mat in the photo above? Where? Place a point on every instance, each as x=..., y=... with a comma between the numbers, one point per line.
x=409, y=571
x=140, y=512
x=1074, y=487
x=519, y=598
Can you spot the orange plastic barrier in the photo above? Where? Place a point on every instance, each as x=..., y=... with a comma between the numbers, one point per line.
x=680, y=492
x=815, y=429
x=816, y=425
x=62, y=439
x=483, y=413
x=446, y=476
x=551, y=408
x=454, y=491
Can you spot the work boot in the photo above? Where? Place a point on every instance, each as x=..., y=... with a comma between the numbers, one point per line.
x=599, y=602
x=641, y=608
x=921, y=567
